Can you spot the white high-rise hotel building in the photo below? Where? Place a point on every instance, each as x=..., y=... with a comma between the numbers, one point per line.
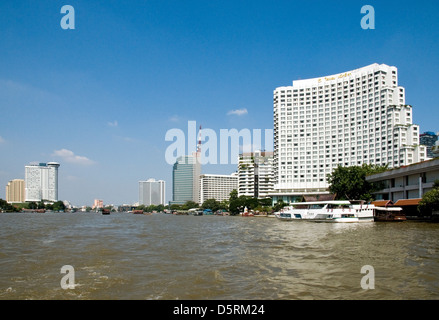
x=41, y=181
x=346, y=119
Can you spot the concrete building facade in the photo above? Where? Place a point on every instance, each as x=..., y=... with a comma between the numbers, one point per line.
x=408, y=182
x=186, y=179
x=217, y=186
x=255, y=174
x=15, y=191
x=352, y=118
x=152, y=192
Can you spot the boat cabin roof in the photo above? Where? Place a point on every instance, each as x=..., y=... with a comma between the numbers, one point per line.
x=334, y=202
x=389, y=208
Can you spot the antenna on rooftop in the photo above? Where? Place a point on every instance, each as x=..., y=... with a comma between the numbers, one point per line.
x=199, y=141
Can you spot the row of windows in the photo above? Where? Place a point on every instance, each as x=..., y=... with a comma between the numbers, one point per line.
x=355, y=94
x=343, y=84
x=339, y=95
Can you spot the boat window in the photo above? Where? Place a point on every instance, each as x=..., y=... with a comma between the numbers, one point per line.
x=338, y=206
x=316, y=206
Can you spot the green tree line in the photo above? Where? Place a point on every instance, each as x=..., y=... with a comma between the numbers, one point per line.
x=234, y=205
x=57, y=206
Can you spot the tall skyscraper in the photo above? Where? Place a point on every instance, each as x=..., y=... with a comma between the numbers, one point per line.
x=186, y=179
x=255, y=171
x=217, y=186
x=152, y=192
x=15, y=191
x=41, y=182
x=352, y=118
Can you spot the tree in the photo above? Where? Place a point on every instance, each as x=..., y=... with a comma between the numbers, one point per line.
x=59, y=206
x=429, y=202
x=32, y=205
x=224, y=205
x=6, y=207
x=233, y=195
x=211, y=204
x=175, y=206
x=189, y=205
x=265, y=202
x=41, y=205
x=237, y=205
x=349, y=183
x=279, y=205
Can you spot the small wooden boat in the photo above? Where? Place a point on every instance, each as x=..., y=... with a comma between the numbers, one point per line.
x=389, y=214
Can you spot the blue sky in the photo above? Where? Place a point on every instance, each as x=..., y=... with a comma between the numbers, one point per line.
x=99, y=99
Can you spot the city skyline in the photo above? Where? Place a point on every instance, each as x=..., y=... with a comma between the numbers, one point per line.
x=99, y=99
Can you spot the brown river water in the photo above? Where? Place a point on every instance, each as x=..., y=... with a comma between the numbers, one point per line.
x=125, y=256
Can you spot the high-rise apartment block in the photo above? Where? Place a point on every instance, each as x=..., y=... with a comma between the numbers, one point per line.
x=255, y=174
x=41, y=182
x=15, y=191
x=352, y=118
x=152, y=192
x=217, y=186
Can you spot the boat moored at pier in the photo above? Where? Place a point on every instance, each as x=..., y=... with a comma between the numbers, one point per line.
x=389, y=214
x=328, y=211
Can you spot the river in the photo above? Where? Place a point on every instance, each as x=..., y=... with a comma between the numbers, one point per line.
x=166, y=257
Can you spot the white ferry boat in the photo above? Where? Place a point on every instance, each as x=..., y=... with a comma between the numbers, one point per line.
x=328, y=211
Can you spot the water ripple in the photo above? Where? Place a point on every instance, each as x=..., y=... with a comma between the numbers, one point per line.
x=125, y=256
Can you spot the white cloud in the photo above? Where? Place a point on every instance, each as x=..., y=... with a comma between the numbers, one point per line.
x=2, y=140
x=237, y=112
x=113, y=124
x=249, y=147
x=126, y=139
x=69, y=156
x=174, y=118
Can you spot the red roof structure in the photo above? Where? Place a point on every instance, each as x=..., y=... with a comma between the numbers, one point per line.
x=382, y=203
x=407, y=202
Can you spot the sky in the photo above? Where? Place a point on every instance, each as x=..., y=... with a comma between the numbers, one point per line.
x=100, y=98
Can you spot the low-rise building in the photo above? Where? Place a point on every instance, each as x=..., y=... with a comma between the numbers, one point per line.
x=407, y=182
